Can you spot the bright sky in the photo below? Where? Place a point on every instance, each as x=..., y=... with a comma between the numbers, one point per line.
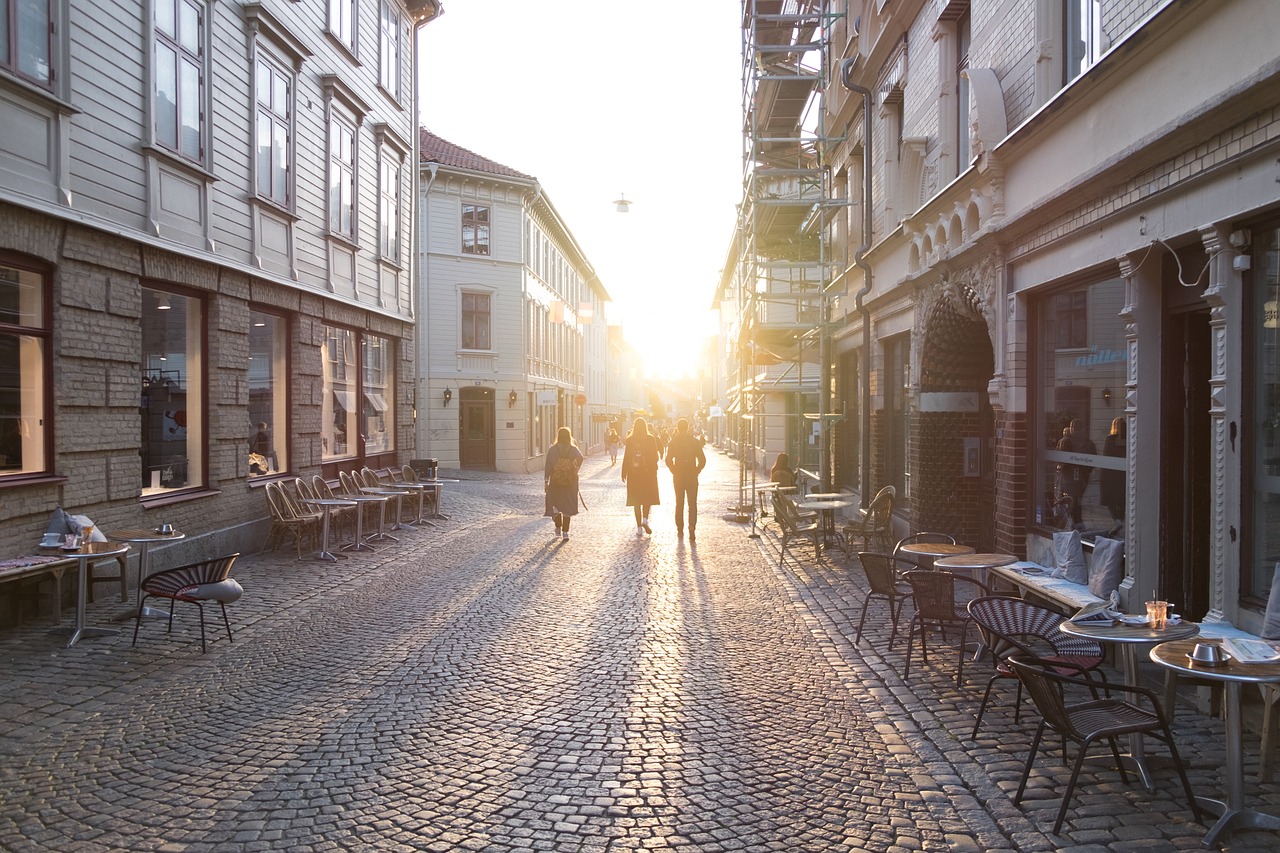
x=597, y=99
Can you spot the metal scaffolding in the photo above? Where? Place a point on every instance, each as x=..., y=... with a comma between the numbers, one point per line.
x=783, y=269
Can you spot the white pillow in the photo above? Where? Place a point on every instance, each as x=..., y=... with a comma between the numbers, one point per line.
x=1068, y=557
x=1108, y=566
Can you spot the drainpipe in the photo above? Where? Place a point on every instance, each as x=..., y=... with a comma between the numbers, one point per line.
x=421, y=271
x=860, y=261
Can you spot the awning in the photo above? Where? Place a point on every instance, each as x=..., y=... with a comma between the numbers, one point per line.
x=346, y=399
x=378, y=402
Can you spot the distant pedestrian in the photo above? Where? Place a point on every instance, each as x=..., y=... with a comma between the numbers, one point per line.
x=561, y=481
x=612, y=442
x=640, y=473
x=686, y=460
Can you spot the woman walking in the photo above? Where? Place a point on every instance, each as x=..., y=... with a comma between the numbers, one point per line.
x=640, y=473
x=561, y=481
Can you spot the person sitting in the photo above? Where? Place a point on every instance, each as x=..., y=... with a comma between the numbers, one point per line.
x=781, y=472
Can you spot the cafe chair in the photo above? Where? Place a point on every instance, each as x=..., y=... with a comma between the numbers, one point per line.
x=934, y=593
x=342, y=516
x=287, y=519
x=1010, y=626
x=198, y=583
x=1086, y=722
x=875, y=527
x=885, y=582
x=792, y=525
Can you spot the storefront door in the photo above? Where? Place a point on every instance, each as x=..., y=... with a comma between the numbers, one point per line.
x=476, y=438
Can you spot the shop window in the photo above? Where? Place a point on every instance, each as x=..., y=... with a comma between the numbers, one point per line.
x=173, y=387
x=268, y=393
x=339, y=407
x=379, y=391
x=1082, y=439
x=897, y=415
x=24, y=368
x=1264, y=546
x=358, y=409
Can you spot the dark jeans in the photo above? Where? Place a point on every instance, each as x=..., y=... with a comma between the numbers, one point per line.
x=686, y=487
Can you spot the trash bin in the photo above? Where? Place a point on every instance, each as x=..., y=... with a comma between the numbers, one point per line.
x=428, y=469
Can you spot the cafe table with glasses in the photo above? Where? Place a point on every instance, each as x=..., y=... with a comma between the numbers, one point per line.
x=1231, y=812
x=1130, y=635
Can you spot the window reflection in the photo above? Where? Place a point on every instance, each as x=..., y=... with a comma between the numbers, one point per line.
x=268, y=394
x=172, y=392
x=1256, y=581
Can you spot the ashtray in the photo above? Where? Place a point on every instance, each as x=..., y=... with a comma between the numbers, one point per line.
x=165, y=529
x=1207, y=655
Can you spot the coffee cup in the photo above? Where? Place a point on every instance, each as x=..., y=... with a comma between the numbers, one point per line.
x=51, y=540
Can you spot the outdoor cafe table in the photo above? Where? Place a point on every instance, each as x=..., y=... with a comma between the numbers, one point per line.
x=924, y=553
x=327, y=506
x=87, y=552
x=144, y=538
x=828, y=509
x=1129, y=638
x=975, y=563
x=1232, y=674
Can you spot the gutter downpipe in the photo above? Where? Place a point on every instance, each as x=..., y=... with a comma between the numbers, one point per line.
x=860, y=261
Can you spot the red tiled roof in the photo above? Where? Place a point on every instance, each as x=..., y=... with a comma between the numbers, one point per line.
x=434, y=149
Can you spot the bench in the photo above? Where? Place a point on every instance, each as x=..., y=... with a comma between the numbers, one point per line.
x=1036, y=582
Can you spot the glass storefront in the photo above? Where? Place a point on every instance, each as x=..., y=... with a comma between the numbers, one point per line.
x=1265, y=416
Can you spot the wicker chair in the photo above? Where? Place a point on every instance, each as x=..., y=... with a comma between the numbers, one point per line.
x=1012, y=626
x=197, y=583
x=1088, y=721
x=792, y=525
x=935, y=597
x=876, y=526
x=288, y=519
x=885, y=582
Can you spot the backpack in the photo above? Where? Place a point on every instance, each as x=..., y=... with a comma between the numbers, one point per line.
x=563, y=474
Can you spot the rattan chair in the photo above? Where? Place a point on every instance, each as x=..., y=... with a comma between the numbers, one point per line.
x=792, y=525
x=934, y=593
x=1089, y=721
x=287, y=519
x=885, y=582
x=208, y=580
x=1012, y=626
x=875, y=527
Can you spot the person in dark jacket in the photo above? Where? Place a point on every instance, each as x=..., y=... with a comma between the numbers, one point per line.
x=686, y=460
x=561, y=481
x=640, y=472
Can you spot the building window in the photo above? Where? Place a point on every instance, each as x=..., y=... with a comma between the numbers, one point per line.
x=392, y=29
x=24, y=361
x=379, y=392
x=1263, y=544
x=339, y=427
x=179, y=77
x=963, y=152
x=274, y=131
x=475, y=229
x=26, y=41
x=342, y=178
x=1082, y=36
x=897, y=414
x=1080, y=372
x=390, y=207
x=268, y=393
x=173, y=372
x=342, y=22
x=475, y=321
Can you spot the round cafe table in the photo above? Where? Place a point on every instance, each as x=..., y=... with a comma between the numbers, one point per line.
x=1129, y=638
x=83, y=555
x=828, y=509
x=924, y=553
x=975, y=563
x=144, y=539
x=1232, y=674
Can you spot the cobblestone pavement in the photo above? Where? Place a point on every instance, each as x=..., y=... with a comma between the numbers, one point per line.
x=481, y=686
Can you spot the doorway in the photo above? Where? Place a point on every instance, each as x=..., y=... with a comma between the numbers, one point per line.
x=476, y=439
x=1185, y=442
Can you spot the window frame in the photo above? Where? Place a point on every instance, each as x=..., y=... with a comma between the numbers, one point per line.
x=11, y=59
x=487, y=315
x=280, y=371
x=391, y=50
x=346, y=168
x=268, y=60
x=391, y=167
x=194, y=372
x=196, y=100
x=343, y=23
x=41, y=385
x=471, y=220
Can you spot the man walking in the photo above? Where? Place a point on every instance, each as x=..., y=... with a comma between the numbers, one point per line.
x=686, y=461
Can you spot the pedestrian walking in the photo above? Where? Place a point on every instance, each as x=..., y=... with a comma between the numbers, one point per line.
x=686, y=460
x=640, y=473
x=612, y=442
x=561, y=481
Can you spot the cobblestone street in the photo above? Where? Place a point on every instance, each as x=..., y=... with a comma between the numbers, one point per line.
x=483, y=686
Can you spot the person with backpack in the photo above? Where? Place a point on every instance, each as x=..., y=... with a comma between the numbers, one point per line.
x=561, y=481
x=640, y=473
x=686, y=460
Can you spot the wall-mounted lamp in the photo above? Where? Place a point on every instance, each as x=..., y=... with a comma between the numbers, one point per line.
x=623, y=204
x=448, y=395
x=164, y=303
x=1106, y=396
x=511, y=399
